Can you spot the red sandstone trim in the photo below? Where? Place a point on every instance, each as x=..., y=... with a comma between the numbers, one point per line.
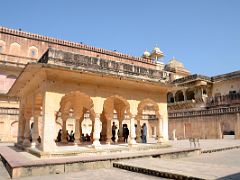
x=73, y=44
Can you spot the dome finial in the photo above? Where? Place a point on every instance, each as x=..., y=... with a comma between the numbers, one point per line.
x=157, y=53
x=146, y=54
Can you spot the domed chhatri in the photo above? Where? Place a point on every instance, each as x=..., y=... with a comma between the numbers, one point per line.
x=146, y=54
x=157, y=53
x=174, y=63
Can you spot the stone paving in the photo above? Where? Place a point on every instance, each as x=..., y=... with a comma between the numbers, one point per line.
x=219, y=164
x=106, y=174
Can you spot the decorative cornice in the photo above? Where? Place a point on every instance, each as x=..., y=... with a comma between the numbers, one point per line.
x=73, y=44
x=191, y=78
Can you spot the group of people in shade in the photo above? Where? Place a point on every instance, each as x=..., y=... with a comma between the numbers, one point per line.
x=70, y=137
x=126, y=132
x=87, y=137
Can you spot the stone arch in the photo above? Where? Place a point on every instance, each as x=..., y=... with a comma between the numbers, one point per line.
x=190, y=95
x=170, y=97
x=79, y=103
x=148, y=102
x=15, y=49
x=122, y=108
x=141, y=106
x=33, y=52
x=2, y=46
x=179, y=96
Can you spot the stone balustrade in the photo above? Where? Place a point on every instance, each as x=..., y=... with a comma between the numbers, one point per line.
x=223, y=100
x=207, y=112
x=78, y=61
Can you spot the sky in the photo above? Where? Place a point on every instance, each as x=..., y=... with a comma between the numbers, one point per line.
x=203, y=34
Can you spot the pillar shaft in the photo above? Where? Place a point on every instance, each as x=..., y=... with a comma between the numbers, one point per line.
x=132, y=131
x=138, y=135
x=159, y=130
x=35, y=130
x=96, y=133
x=78, y=129
x=26, y=141
x=64, y=131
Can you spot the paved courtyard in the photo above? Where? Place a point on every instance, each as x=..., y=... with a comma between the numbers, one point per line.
x=218, y=165
x=209, y=166
x=106, y=174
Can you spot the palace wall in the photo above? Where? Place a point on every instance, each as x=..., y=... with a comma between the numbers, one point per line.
x=223, y=87
x=204, y=124
x=8, y=124
x=16, y=43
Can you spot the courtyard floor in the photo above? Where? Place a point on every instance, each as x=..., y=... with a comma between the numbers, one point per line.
x=224, y=164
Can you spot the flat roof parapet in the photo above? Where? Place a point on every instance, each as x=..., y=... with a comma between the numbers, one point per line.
x=87, y=63
x=191, y=78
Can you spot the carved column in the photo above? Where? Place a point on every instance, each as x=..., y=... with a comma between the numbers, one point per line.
x=219, y=130
x=132, y=131
x=77, y=134
x=138, y=135
x=64, y=129
x=93, y=122
x=96, y=133
x=237, y=126
x=21, y=129
x=120, y=119
x=159, y=130
x=21, y=123
x=26, y=141
x=35, y=131
x=109, y=129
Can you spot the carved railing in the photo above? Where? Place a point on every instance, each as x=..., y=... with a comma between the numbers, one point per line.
x=192, y=77
x=223, y=100
x=207, y=112
x=9, y=111
x=72, y=60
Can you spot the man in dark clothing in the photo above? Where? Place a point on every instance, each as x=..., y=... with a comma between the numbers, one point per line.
x=125, y=133
x=114, y=127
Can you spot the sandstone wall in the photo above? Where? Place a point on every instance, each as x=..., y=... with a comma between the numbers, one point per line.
x=8, y=124
x=205, y=126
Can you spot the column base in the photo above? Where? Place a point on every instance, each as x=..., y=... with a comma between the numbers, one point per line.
x=132, y=142
x=64, y=141
x=96, y=144
x=77, y=142
x=33, y=144
x=161, y=140
x=26, y=143
x=108, y=141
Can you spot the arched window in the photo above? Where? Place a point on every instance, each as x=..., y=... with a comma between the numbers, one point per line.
x=15, y=49
x=170, y=98
x=179, y=96
x=2, y=46
x=204, y=92
x=33, y=52
x=190, y=94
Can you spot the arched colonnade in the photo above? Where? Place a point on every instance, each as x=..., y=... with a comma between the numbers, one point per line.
x=78, y=103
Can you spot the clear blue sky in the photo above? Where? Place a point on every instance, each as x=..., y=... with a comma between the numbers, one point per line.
x=203, y=34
